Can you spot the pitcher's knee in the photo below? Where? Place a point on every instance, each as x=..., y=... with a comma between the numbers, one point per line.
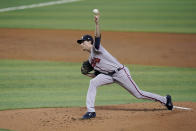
x=139, y=96
x=93, y=83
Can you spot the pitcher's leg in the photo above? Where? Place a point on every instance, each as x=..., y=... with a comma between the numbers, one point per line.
x=99, y=80
x=140, y=94
x=127, y=82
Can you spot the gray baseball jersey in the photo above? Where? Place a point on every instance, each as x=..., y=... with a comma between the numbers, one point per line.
x=105, y=63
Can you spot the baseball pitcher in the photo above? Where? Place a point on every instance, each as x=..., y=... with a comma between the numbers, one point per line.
x=107, y=70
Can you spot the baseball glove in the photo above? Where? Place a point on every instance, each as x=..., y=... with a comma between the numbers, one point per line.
x=96, y=72
x=86, y=67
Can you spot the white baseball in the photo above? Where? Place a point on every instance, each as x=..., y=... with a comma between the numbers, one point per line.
x=96, y=11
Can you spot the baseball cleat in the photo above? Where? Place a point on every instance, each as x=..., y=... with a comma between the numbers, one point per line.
x=169, y=104
x=89, y=115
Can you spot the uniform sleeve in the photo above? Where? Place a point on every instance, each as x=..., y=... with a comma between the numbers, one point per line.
x=97, y=42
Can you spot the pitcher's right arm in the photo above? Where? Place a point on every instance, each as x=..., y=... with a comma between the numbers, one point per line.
x=97, y=32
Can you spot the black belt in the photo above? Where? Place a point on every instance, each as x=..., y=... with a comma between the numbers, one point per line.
x=113, y=72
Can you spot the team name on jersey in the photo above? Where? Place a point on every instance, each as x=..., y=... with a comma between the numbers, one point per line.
x=95, y=61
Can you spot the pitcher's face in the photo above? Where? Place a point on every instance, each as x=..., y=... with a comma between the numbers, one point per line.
x=86, y=46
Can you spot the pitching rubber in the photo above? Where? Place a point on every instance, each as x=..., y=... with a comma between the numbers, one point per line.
x=182, y=108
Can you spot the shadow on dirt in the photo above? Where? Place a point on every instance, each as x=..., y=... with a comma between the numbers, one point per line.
x=125, y=109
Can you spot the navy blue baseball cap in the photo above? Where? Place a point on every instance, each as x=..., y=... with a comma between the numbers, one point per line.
x=85, y=38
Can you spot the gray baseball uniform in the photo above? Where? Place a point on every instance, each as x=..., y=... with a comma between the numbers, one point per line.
x=112, y=71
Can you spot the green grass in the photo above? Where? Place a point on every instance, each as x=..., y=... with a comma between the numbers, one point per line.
x=5, y=129
x=13, y=3
x=34, y=84
x=127, y=15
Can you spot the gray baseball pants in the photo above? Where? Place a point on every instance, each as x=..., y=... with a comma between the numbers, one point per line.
x=124, y=79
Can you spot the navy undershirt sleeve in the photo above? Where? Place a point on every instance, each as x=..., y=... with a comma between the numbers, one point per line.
x=97, y=42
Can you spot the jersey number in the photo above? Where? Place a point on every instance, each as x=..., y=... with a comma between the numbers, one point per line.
x=95, y=61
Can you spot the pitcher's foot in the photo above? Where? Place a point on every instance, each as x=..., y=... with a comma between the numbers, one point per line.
x=89, y=115
x=169, y=104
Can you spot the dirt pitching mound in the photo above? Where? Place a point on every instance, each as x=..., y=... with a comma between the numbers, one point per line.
x=135, y=117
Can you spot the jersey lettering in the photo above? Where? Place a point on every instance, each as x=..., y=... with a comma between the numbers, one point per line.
x=95, y=61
